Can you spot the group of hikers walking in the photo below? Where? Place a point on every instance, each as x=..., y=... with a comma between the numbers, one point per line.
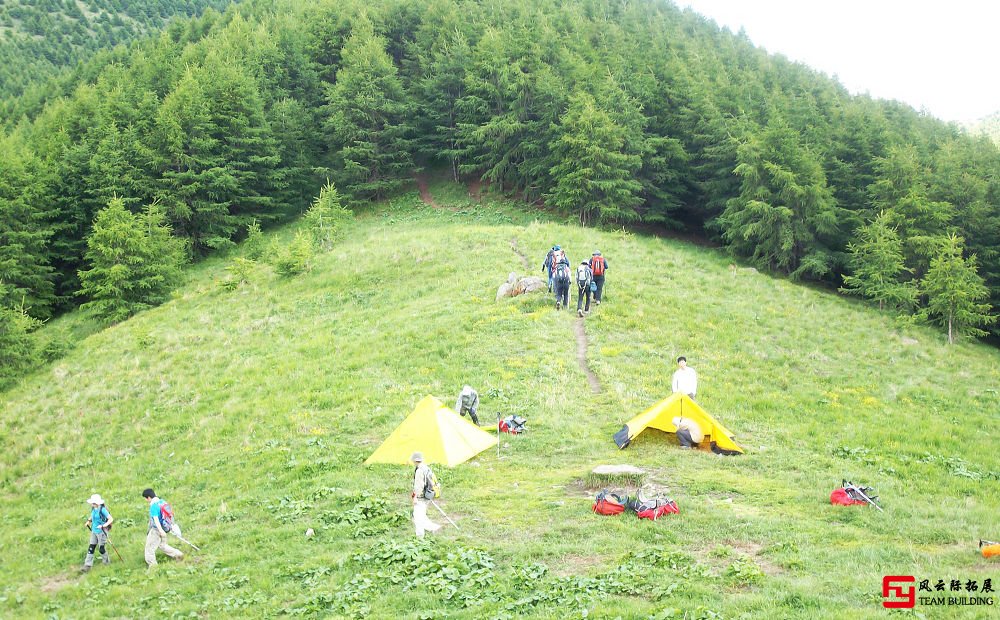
x=589, y=278
x=161, y=523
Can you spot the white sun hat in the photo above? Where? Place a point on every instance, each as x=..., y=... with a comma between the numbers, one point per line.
x=95, y=499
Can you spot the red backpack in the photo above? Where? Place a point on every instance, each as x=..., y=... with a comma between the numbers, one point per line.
x=597, y=265
x=608, y=504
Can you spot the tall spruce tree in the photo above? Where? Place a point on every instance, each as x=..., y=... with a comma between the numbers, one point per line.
x=956, y=293
x=876, y=264
x=369, y=118
x=593, y=173
x=134, y=262
x=785, y=210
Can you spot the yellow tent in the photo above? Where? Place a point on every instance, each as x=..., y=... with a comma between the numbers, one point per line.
x=437, y=431
x=661, y=415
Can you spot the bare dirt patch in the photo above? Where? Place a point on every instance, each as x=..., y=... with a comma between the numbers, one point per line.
x=55, y=583
x=520, y=254
x=425, y=193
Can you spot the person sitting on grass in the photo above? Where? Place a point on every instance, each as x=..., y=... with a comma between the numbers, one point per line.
x=689, y=433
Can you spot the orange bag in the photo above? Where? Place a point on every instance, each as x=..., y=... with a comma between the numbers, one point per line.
x=991, y=551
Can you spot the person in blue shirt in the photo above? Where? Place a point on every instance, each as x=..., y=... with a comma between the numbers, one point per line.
x=98, y=523
x=156, y=537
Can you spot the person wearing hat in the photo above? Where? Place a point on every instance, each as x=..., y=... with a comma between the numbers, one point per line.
x=547, y=265
x=98, y=523
x=598, y=265
x=156, y=537
x=689, y=433
x=421, y=480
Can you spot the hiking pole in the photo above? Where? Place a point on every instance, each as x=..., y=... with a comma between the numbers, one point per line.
x=851, y=486
x=445, y=516
x=184, y=540
x=115, y=549
x=498, y=436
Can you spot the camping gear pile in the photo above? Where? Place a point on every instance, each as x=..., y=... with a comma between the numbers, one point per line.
x=850, y=494
x=608, y=503
x=513, y=424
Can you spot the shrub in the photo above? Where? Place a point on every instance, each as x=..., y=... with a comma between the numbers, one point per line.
x=294, y=258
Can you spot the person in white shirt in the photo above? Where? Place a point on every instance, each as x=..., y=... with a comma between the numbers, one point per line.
x=685, y=378
x=420, y=520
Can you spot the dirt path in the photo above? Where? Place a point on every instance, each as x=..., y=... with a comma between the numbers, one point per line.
x=581, y=356
x=425, y=194
x=517, y=250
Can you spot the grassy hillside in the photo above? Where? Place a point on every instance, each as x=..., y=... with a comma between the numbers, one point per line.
x=252, y=410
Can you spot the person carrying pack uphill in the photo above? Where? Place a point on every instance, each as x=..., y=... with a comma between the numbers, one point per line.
x=598, y=265
x=161, y=521
x=468, y=401
x=548, y=265
x=98, y=523
x=584, y=277
x=560, y=280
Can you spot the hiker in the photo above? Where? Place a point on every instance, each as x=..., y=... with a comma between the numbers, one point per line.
x=421, y=473
x=468, y=400
x=584, y=277
x=156, y=537
x=560, y=280
x=598, y=265
x=689, y=433
x=98, y=523
x=548, y=265
x=685, y=378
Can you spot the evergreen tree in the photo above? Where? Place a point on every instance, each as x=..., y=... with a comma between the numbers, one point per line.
x=134, y=262
x=326, y=216
x=594, y=176
x=956, y=293
x=784, y=211
x=369, y=118
x=18, y=352
x=876, y=264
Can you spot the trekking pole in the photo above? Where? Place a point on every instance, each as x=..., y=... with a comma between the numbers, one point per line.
x=445, y=516
x=498, y=436
x=115, y=549
x=184, y=540
x=851, y=486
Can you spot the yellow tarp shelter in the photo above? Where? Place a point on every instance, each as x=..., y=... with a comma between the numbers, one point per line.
x=441, y=434
x=661, y=415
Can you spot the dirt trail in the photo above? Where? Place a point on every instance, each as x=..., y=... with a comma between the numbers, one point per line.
x=517, y=250
x=425, y=194
x=581, y=356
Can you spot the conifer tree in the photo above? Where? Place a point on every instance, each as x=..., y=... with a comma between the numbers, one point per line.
x=18, y=352
x=594, y=176
x=369, y=118
x=134, y=262
x=876, y=264
x=955, y=292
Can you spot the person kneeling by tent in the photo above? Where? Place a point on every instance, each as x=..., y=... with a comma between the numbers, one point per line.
x=689, y=433
x=468, y=400
x=424, y=485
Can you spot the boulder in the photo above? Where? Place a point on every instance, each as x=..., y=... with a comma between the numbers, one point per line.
x=528, y=284
x=612, y=470
x=504, y=291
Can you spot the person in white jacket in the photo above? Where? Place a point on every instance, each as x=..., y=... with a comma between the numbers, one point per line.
x=685, y=378
x=421, y=522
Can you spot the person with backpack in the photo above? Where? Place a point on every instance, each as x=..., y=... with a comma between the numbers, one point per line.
x=468, y=401
x=560, y=280
x=161, y=521
x=98, y=523
x=547, y=265
x=425, y=489
x=598, y=265
x=584, y=277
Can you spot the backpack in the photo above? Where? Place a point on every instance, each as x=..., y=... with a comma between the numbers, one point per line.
x=432, y=488
x=561, y=272
x=653, y=509
x=559, y=256
x=166, y=516
x=104, y=514
x=598, y=265
x=583, y=276
x=608, y=504
x=513, y=424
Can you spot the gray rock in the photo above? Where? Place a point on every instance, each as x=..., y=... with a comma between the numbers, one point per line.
x=610, y=470
x=528, y=284
x=504, y=290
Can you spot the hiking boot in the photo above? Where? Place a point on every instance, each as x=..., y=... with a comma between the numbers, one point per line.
x=579, y=313
x=598, y=302
x=105, y=560
x=558, y=307
x=85, y=568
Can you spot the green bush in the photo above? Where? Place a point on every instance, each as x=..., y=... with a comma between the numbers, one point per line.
x=294, y=258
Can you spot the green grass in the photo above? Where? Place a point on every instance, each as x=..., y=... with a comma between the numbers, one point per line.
x=252, y=410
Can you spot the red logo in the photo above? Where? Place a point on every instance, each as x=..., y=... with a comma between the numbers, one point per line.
x=898, y=591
